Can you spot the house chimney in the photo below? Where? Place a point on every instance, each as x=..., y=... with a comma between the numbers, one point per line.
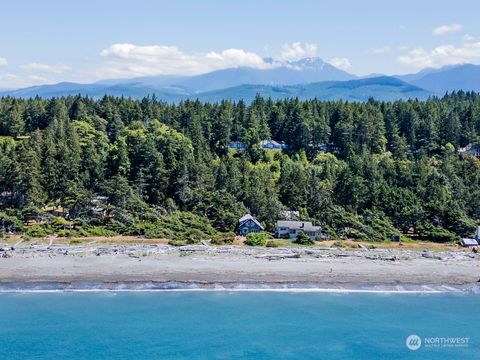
x=303, y=225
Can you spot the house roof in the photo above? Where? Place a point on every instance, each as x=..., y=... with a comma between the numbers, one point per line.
x=236, y=144
x=471, y=242
x=267, y=142
x=249, y=217
x=298, y=225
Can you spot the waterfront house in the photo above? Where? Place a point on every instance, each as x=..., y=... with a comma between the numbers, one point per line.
x=290, y=229
x=248, y=224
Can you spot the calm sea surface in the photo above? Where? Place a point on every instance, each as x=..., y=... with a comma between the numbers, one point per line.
x=226, y=325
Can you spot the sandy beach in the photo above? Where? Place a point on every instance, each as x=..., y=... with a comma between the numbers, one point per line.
x=164, y=266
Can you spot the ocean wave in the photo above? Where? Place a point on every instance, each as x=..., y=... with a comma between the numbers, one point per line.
x=245, y=287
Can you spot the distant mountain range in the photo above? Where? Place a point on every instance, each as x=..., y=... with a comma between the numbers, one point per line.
x=306, y=78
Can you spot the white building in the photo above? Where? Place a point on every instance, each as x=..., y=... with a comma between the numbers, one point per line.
x=290, y=229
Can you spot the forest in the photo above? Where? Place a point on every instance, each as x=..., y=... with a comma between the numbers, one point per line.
x=76, y=166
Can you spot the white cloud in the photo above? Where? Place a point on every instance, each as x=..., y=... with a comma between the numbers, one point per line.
x=57, y=68
x=38, y=79
x=447, y=29
x=468, y=38
x=468, y=51
x=125, y=60
x=3, y=61
x=10, y=80
x=381, y=50
x=296, y=51
x=341, y=63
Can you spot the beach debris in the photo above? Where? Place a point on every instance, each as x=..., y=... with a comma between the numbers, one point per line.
x=278, y=256
x=16, y=244
x=431, y=256
x=193, y=249
x=380, y=257
x=204, y=243
x=363, y=247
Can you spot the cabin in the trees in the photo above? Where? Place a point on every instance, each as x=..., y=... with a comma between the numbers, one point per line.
x=325, y=148
x=290, y=229
x=470, y=149
x=237, y=145
x=248, y=224
x=272, y=144
x=264, y=144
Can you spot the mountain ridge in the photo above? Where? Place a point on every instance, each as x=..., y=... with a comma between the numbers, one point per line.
x=304, y=78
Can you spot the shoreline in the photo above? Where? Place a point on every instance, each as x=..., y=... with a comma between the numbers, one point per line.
x=288, y=288
x=471, y=289
x=160, y=267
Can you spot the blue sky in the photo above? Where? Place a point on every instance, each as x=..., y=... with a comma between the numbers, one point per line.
x=51, y=41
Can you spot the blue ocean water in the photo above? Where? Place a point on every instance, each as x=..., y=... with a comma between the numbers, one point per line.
x=226, y=325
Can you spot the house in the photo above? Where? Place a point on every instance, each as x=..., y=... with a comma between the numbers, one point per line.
x=248, y=224
x=324, y=148
x=238, y=145
x=468, y=242
x=272, y=144
x=473, y=150
x=290, y=229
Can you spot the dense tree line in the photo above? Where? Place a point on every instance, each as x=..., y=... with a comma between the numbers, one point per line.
x=391, y=168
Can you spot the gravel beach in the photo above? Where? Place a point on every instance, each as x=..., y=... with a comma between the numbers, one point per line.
x=163, y=266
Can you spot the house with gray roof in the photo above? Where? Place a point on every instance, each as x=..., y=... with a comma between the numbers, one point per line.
x=272, y=144
x=248, y=224
x=290, y=229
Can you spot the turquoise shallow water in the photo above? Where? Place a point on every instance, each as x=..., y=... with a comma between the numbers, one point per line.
x=226, y=325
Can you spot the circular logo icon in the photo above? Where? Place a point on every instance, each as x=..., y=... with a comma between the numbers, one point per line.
x=413, y=342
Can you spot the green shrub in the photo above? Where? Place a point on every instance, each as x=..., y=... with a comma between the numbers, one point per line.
x=64, y=233
x=96, y=231
x=75, y=241
x=224, y=239
x=26, y=237
x=194, y=236
x=10, y=222
x=177, y=226
x=438, y=234
x=257, y=239
x=303, y=239
x=38, y=230
x=60, y=223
